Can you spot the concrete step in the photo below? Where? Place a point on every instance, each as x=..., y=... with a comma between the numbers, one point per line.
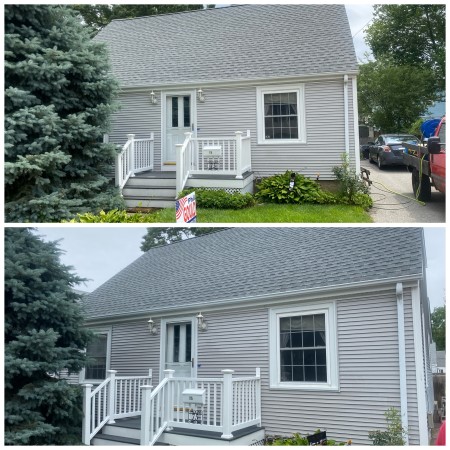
x=155, y=181
x=120, y=429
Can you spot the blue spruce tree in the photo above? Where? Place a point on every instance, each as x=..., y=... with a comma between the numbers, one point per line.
x=43, y=340
x=59, y=96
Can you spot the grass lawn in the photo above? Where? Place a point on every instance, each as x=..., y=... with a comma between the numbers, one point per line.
x=273, y=213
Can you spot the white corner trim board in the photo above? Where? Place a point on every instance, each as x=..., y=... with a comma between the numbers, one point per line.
x=402, y=357
x=346, y=118
x=419, y=360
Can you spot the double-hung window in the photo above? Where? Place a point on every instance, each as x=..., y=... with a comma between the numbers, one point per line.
x=303, y=348
x=281, y=114
x=97, y=352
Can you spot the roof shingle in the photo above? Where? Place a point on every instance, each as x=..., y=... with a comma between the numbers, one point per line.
x=249, y=262
x=244, y=42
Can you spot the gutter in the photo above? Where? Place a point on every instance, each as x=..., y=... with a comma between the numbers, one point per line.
x=346, y=118
x=299, y=294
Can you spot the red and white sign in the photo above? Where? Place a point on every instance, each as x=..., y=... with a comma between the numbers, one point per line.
x=186, y=209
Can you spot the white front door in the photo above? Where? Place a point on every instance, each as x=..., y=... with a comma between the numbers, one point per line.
x=178, y=120
x=179, y=349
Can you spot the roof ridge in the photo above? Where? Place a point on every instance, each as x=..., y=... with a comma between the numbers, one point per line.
x=180, y=12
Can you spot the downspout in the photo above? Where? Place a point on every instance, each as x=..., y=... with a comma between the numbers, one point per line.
x=346, y=120
x=356, y=123
x=402, y=357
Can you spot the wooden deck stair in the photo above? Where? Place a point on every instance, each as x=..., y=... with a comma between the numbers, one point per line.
x=150, y=190
x=126, y=432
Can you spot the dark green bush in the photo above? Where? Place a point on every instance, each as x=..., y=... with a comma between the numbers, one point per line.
x=276, y=189
x=219, y=199
x=298, y=440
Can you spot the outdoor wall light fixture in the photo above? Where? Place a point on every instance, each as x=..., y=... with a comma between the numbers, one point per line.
x=152, y=327
x=202, y=324
x=153, y=100
x=200, y=96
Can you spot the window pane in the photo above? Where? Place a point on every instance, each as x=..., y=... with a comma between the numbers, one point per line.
x=298, y=373
x=176, y=343
x=285, y=340
x=308, y=323
x=319, y=338
x=96, y=353
x=174, y=112
x=310, y=373
x=188, y=341
x=296, y=339
x=277, y=133
x=285, y=324
x=297, y=357
x=308, y=339
x=285, y=133
x=321, y=357
x=286, y=357
x=187, y=111
x=319, y=322
x=322, y=374
x=286, y=373
x=296, y=323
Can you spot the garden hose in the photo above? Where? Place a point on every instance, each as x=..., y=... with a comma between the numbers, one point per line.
x=398, y=193
x=420, y=177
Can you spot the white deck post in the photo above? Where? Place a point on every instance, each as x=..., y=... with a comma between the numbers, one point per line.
x=118, y=180
x=146, y=414
x=238, y=154
x=131, y=153
x=258, y=395
x=168, y=373
x=227, y=403
x=179, y=168
x=86, y=432
x=112, y=396
x=152, y=149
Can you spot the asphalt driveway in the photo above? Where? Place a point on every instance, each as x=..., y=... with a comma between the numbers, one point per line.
x=399, y=205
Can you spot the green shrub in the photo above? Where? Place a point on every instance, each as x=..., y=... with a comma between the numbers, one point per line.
x=113, y=216
x=394, y=435
x=276, y=189
x=352, y=189
x=220, y=199
x=298, y=439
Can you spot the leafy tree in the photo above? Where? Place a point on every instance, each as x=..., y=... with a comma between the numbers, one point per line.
x=393, y=97
x=394, y=434
x=438, y=327
x=164, y=236
x=411, y=35
x=43, y=336
x=58, y=100
x=98, y=16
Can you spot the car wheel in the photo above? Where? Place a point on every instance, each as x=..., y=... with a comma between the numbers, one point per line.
x=379, y=163
x=421, y=186
x=370, y=159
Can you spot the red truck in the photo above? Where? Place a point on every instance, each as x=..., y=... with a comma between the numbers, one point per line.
x=427, y=164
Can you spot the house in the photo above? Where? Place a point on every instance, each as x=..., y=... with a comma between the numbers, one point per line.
x=216, y=98
x=437, y=359
x=271, y=330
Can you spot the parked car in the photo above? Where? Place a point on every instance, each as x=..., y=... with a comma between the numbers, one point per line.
x=388, y=149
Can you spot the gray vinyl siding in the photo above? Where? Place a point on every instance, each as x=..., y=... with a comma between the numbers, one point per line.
x=230, y=109
x=137, y=116
x=368, y=365
x=134, y=350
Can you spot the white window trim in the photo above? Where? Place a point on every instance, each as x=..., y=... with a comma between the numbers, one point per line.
x=299, y=89
x=329, y=309
x=108, y=332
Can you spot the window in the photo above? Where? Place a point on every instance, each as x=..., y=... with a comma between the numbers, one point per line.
x=281, y=115
x=97, y=352
x=303, y=350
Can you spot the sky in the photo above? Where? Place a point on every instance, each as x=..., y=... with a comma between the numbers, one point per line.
x=98, y=253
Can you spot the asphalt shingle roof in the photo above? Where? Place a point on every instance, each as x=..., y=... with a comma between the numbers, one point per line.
x=245, y=42
x=248, y=262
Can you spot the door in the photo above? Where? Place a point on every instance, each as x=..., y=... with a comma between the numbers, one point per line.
x=179, y=120
x=179, y=354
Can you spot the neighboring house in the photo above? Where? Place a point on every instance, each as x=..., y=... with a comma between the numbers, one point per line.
x=244, y=91
x=437, y=359
x=323, y=327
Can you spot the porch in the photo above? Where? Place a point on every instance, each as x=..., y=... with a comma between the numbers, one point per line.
x=209, y=162
x=128, y=411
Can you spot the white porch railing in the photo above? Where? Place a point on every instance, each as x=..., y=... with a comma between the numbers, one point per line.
x=114, y=398
x=137, y=155
x=213, y=156
x=230, y=405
